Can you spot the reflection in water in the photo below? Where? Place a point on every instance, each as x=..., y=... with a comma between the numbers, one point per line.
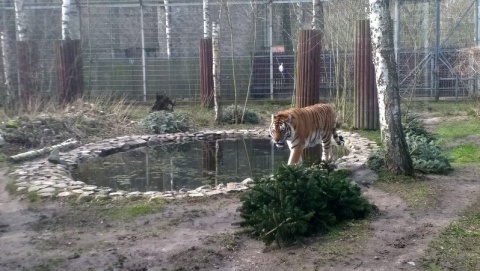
x=189, y=165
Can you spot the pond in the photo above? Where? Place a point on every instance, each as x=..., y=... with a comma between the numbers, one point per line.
x=188, y=165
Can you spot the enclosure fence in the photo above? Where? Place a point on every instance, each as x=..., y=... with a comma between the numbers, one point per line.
x=141, y=48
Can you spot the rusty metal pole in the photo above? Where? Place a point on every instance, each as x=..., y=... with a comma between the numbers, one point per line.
x=206, y=72
x=366, y=102
x=307, y=84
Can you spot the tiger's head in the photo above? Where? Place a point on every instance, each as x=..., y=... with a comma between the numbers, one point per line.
x=280, y=129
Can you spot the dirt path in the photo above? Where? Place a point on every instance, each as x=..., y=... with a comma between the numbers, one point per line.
x=202, y=235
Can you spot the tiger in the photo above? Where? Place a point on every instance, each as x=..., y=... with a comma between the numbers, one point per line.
x=306, y=127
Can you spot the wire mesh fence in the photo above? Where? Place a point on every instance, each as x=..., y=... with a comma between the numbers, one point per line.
x=141, y=48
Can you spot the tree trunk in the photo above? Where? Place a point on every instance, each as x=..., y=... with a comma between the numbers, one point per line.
x=21, y=19
x=397, y=157
x=206, y=20
x=287, y=29
x=167, y=28
x=66, y=19
x=216, y=71
x=7, y=39
x=318, y=22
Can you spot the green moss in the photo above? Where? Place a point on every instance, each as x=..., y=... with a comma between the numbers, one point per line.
x=11, y=187
x=11, y=124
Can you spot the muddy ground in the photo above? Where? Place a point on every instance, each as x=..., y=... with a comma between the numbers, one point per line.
x=203, y=234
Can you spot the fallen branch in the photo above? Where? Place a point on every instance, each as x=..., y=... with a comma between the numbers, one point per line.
x=35, y=153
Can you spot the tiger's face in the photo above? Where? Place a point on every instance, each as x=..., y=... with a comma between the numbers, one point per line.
x=279, y=129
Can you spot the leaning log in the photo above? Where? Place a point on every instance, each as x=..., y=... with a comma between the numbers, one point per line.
x=36, y=153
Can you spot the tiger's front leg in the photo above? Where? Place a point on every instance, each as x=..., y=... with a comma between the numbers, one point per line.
x=296, y=155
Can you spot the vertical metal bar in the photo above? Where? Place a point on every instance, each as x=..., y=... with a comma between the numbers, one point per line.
x=270, y=44
x=477, y=22
x=436, y=72
x=144, y=72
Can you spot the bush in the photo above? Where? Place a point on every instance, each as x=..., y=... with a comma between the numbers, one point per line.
x=164, y=122
x=228, y=115
x=426, y=156
x=300, y=201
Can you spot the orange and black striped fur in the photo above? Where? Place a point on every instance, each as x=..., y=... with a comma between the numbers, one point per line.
x=305, y=127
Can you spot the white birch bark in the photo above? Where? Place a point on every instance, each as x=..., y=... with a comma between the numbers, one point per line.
x=21, y=20
x=66, y=19
x=317, y=15
x=206, y=19
x=397, y=157
x=167, y=28
x=216, y=71
x=7, y=43
x=35, y=153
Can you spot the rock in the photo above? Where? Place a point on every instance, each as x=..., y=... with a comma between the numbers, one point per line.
x=2, y=141
x=204, y=188
x=46, y=190
x=64, y=194
x=247, y=181
x=54, y=156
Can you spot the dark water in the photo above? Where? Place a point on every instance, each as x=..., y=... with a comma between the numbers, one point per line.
x=190, y=165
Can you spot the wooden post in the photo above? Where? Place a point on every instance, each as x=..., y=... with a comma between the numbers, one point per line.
x=28, y=87
x=206, y=73
x=69, y=68
x=366, y=101
x=307, y=82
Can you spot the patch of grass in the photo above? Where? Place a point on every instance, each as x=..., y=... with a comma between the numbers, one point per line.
x=132, y=211
x=419, y=194
x=455, y=129
x=32, y=196
x=465, y=154
x=11, y=187
x=447, y=108
x=458, y=247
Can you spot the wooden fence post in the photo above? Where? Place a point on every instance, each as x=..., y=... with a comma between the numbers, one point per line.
x=365, y=88
x=28, y=87
x=307, y=83
x=206, y=73
x=69, y=68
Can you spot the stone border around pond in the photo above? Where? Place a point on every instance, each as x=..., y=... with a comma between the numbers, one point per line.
x=53, y=179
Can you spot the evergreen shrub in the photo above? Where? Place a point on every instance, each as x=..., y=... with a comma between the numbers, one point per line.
x=228, y=115
x=300, y=201
x=427, y=156
x=164, y=122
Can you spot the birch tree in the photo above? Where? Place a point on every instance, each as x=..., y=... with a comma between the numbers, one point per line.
x=206, y=20
x=7, y=43
x=318, y=21
x=21, y=19
x=167, y=27
x=397, y=157
x=66, y=27
x=216, y=71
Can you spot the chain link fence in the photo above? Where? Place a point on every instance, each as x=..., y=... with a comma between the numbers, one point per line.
x=127, y=51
